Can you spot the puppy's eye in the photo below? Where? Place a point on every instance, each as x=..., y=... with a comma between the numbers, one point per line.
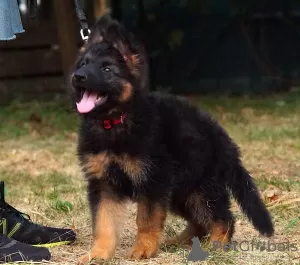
x=106, y=69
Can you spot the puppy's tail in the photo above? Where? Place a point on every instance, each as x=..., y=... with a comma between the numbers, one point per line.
x=246, y=193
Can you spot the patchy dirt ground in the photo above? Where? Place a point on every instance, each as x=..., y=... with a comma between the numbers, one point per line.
x=39, y=165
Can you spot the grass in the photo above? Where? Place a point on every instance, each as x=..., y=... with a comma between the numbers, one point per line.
x=39, y=165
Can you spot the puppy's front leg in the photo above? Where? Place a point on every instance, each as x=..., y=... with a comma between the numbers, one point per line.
x=106, y=222
x=150, y=222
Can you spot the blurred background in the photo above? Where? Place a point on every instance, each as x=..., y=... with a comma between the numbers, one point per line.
x=215, y=46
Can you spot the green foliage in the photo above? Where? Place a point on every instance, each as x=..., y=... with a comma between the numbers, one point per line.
x=20, y=119
x=292, y=222
x=61, y=205
x=57, y=203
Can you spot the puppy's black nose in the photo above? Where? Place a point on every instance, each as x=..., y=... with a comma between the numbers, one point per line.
x=80, y=77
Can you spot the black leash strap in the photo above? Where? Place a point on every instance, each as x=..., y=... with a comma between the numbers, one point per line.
x=84, y=32
x=32, y=8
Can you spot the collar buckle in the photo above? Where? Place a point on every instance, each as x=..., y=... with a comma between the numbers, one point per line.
x=107, y=124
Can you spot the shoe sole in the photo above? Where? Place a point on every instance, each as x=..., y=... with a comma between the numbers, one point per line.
x=55, y=244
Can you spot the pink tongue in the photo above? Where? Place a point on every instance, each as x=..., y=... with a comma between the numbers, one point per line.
x=87, y=103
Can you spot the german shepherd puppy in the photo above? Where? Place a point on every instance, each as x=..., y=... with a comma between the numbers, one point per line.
x=156, y=150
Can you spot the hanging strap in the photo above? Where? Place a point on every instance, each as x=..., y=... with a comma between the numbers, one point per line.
x=32, y=8
x=84, y=32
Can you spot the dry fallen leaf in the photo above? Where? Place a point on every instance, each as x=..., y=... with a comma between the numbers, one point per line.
x=220, y=109
x=272, y=193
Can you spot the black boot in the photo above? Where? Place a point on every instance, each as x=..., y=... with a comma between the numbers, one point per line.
x=18, y=226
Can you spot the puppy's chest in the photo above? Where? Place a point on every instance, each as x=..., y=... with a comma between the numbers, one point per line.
x=116, y=168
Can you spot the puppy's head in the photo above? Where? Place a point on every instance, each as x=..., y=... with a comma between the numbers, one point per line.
x=110, y=72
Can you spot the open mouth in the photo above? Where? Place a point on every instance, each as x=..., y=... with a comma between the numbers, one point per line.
x=87, y=100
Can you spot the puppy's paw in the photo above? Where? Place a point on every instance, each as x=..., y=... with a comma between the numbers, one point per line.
x=85, y=259
x=142, y=252
x=92, y=255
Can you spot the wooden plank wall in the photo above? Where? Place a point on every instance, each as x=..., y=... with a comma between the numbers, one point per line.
x=32, y=63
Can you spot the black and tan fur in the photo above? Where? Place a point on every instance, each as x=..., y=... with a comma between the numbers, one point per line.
x=167, y=156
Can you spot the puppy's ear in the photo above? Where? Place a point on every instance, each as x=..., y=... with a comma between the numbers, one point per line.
x=131, y=55
x=110, y=30
x=100, y=31
x=132, y=51
x=97, y=32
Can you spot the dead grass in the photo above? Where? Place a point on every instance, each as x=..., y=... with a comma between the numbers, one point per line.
x=39, y=166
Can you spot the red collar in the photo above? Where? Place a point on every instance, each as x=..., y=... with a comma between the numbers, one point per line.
x=107, y=124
